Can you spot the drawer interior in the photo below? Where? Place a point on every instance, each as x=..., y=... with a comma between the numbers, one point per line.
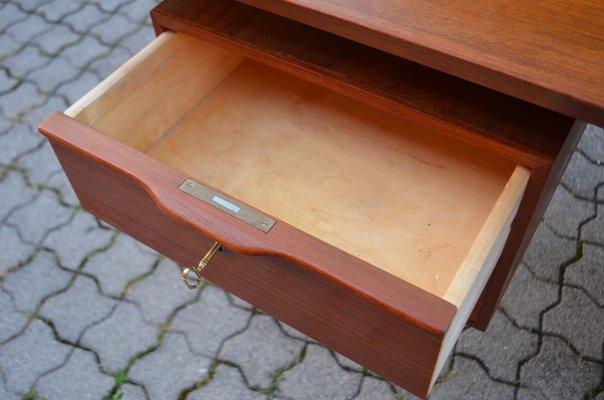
x=385, y=189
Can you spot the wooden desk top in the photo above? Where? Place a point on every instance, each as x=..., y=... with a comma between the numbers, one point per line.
x=548, y=52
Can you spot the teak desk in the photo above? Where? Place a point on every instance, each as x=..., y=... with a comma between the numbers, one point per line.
x=372, y=171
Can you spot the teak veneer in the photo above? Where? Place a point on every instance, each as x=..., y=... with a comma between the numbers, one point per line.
x=549, y=53
x=404, y=197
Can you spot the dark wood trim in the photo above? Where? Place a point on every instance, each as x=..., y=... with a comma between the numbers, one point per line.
x=548, y=54
x=492, y=121
x=541, y=187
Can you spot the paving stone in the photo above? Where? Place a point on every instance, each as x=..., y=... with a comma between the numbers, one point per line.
x=138, y=10
x=85, y=19
x=209, y=321
x=135, y=42
x=77, y=308
x=120, y=337
x=38, y=218
x=468, y=381
x=123, y=261
x=21, y=100
x=593, y=231
x=11, y=321
x=261, y=350
x=29, y=28
x=82, y=53
x=526, y=297
x=18, y=141
x=25, y=61
x=20, y=138
x=557, y=373
x=40, y=165
x=59, y=37
x=373, y=389
x=51, y=76
x=161, y=293
x=578, y=319
x=169, y=370
x=226, y=384
x=14, y=251
x=547, y=252
x=347, y=363
x=57, y=10
x=294, y=333
x=60, y=183
x=112, y=30
x=111, y=5
x=403, y=394
x=8, y=45
x=582, y=176
x=5, y=394
x=236, y=301
x=592, y=143
x=318, y=377
x=500, y=348
x=132, y=392
x=35, y=281
x=75, y=89
x=11, y=14
x=565, y=213
x=5, y=126
x=79, y=379
x=531, y=394
x=31, y=354
x=32, y=5
x=588, y=272
x=106, y=65
x=14, y=193
x=6, y=82
x=51, y=104
x=80, y=238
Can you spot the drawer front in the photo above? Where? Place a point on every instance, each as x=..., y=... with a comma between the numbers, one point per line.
x=399, y=338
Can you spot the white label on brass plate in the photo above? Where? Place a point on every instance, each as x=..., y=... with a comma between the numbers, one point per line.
x=228, y=205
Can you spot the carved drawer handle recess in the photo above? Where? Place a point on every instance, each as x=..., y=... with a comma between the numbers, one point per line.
x=192, y=276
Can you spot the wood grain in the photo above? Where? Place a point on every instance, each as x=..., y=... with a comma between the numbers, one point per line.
x=270, y=140
x=542, y=184
x=525, y=133
x=143, y=98
x=367, y=182
x=162, y=182
x=549, y=52
x=370, y=316
x=473, y=275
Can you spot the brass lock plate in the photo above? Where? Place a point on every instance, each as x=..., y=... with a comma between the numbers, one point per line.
x=228, y=205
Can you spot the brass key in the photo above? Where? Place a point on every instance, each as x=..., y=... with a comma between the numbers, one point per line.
x=196, y=271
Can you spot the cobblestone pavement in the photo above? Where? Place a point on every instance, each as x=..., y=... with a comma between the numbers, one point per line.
x=88, y=313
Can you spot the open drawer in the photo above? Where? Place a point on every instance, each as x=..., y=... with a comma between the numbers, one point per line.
x=386, y=230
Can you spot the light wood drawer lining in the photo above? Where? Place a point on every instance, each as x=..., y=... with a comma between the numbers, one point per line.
x=385, y=189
